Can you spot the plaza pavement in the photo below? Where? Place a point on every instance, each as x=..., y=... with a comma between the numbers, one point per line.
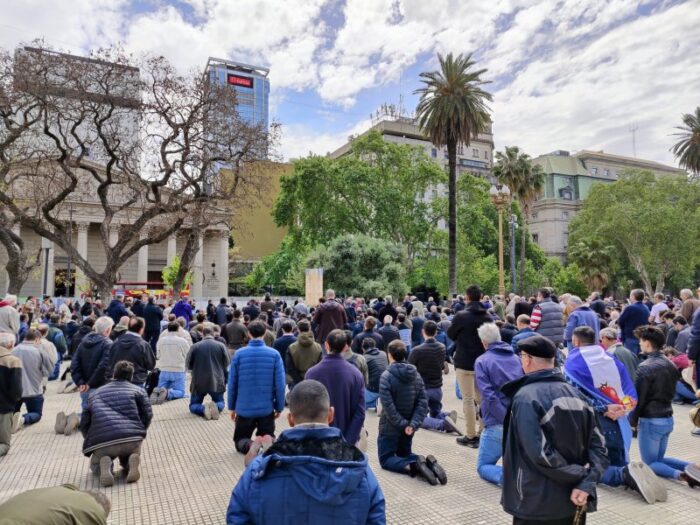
x=189, y=467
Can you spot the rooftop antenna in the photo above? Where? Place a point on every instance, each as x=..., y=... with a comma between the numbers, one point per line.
x=633, y=129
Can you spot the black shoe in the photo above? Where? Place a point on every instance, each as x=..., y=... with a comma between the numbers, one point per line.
x=437, y=469
x=468, y=442
x=421, y=468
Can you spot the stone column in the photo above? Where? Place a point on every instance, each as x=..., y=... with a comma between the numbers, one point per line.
x=197, y=274
x=222, y=263
x=172, y=249
x=47, y=267
x=142, y=268
x=82, y=247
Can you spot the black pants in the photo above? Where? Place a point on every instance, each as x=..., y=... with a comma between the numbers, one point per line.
x=245, y=427
x=562, y=521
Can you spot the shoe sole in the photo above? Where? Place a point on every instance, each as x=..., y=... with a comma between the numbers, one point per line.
x=214, y=411
x=437, y=469
x=660, y=491
x=106, y=476
x=153, y=398
x=72, y=423
x=451, y=426
x=134, y=474
x=60, y=424
x=693, y=472
x=16, y=423
x=207, y=412
x=647, y=485
x=425, y=472
x=162, y=397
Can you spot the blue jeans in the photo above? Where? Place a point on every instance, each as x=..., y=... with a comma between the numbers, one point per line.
x=435, y=420
x=653, y=439
x=395, y=452
x=613, y=476
x=57, y=367
x=35, y=408
x=84, y=399
x=196, y=406
x=174, y=382
x=490, y=447
x=371, y=399
x=683, y=393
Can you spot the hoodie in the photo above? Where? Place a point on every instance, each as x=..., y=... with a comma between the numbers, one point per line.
x=310, y=475
x=302, y=354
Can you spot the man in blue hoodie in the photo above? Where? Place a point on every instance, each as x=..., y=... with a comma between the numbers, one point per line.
x=581, y=315
x=493, y=369
x=310, y=475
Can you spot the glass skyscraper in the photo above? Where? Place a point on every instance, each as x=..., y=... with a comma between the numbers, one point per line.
x=251, y=84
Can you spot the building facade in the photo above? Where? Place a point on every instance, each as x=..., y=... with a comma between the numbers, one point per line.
x=250, y=83
x=568, y=181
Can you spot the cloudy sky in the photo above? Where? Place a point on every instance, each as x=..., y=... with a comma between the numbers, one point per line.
x=566, y=74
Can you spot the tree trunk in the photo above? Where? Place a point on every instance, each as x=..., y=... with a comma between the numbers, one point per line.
x=186, y=260
x=452, y=216
x=18, y=265
x=523, y=249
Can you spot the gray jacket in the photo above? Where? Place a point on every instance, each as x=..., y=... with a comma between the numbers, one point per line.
x=9, y=320
x=171, y=352
x=552, y=324
x=34, y=366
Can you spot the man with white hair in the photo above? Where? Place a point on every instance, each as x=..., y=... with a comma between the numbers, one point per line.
x=493, y=369
x=10, y=388
x=9, y=316
x=609, y=341
x=581, y=315
x=689, y=304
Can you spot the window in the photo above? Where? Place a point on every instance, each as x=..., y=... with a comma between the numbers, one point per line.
x=475, y=153
x=536, y=238
x=594, y=171
x=566, y=194
x=486, y=154
x=434, y=153
x=607, y=173
x=565, y=215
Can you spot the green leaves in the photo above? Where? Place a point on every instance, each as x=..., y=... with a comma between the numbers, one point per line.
x=687, y=149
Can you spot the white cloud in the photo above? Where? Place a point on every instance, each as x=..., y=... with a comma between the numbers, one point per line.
x=298, y=140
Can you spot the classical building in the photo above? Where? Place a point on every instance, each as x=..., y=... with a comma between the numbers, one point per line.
x=568, y=181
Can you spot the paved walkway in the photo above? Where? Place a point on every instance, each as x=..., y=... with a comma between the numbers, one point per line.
x=190, y=467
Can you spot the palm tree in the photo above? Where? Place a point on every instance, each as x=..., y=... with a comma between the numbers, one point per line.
x=452, y=110
x=595, y=260
x=687, y=150
x=525, y=181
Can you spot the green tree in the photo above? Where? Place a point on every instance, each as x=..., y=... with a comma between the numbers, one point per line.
x=595, y=259
x=170, y=275
x=525, y=180
x=361, y=265
x=452, y=110
x=687, y=149
x=653, y=221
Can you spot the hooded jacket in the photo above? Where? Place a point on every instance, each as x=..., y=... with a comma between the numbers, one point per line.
x=85, y=365
x=310, y=475
x=404, y=402
x=327, y=317
x=463, y=332
x=116, y=310
x=131, y=347
x=496, y=367
x=376, y=364
x=302, y=354
x=549, y=436
x=78, y=338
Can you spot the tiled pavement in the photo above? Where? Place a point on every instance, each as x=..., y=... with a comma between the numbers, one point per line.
x=190, y=466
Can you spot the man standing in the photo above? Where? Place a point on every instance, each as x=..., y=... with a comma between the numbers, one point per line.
x=255, y=389
x=329, y=316
x=172, y=352
x=34, y=369
x=10, y=388
x=132, y=348
x=658, y=309
x=369, y=331
x=689, y=304
x=152, y=315
x=282, y=343
x=388, y=309
x=208, y=361
x=496, y=367
x=116, y=309
x=694, y=340
x=581, y=315
x=634, y=315
x=345, y=385
x=388, y=331
x=301, y=475
x=184, y=309
x=554, y=454
x=547, y=318
x=463, y=331
x=221, y=312
x=9, y=316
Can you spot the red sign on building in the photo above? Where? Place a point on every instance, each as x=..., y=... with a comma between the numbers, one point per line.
x=238, y=80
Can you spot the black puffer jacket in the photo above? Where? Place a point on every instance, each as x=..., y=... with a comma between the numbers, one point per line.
x=377, y=363
x=77, y=339
x=549, y=435
x=656, y=387
x=131, y=347
x=85, y=365
x=463, y=332
x=403, y=399
x=118, y=412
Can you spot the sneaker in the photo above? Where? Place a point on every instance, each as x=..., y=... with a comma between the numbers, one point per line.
x=17, y=422
x=155, y=394
x=421, y=468
x=454, y=415
x=639, y=480
x=106, y=476
x=695, y=432
x=451, y=426
x=439, y=472
x=468, y=442
x=692, y=473
x=72, y=422
x=266, y=442
x=208, y=411
x=60, y=424
x=133, y=474
x=214, y=410
x=162, y=396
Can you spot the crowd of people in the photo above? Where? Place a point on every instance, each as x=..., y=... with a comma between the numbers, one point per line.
x=554, y=390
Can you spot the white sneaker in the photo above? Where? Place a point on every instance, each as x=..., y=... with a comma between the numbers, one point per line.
x=17, y=422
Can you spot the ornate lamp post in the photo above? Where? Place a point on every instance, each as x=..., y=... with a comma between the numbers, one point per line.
x=500, y=196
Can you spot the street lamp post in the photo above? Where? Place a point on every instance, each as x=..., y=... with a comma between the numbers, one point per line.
x=500, y=196
x=513, y=225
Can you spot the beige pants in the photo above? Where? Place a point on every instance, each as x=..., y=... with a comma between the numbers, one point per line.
x=5, y=432
x=471, y=398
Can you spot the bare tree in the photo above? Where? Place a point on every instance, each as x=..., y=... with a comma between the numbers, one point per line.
x=146, y=146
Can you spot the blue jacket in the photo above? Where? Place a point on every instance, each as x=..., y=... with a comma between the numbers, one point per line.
x=522, y=334
x=183, y=309
x=634, y=315
x=256, y=381
x=693, y=348
x=116, y=310
x=498, y=366
x=297, y=481
x=582, y=316
x=403, y=397
x=85, y=365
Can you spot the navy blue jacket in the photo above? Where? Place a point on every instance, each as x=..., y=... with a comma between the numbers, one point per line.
x=220, y=314
x=131, y=347
x=117, y=413
x=582, y=316
x=310, y=475
x=282, y=343
x=256, y=381
x=85, y=365
x=634, y=315
x=404, y=402
x=694, y=339
x=152, y=314
x=116, y=310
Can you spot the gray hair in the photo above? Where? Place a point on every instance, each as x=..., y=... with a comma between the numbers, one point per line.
x=575, y=300
x=12, y=299
x=609, y=333
x=7, y=340
x=389, y=299
x=686, y=293
x=489, y=333
x=207, y=329
x=330, y=294
x=103, y=325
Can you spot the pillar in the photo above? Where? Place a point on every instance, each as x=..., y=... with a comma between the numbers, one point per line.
x=142, y=267
x=47, y=267
x=222, y=263
x=82, y=247
x=197, y=273
x=172, y=249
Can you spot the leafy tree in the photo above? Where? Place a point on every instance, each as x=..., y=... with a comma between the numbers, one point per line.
x=170, y=274
x=687, y=149
x=452, y=110
x=361, y=265
x=284, y=268
x=595, y=259
x=653, y=221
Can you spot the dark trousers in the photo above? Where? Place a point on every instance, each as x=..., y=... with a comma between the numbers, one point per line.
x=395, y=451
x=152, y=339
x=245, y=426
x=35, y=408
x=562, y=521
